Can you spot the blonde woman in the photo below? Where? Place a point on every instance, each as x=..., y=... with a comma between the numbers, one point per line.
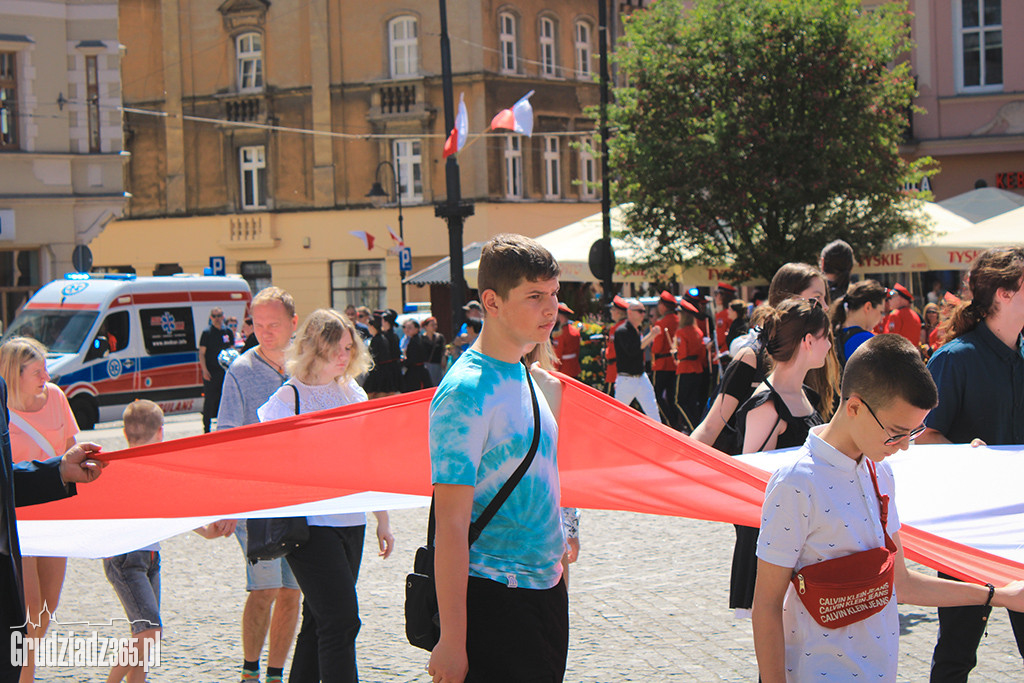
x=323, y=362
x=41, y=427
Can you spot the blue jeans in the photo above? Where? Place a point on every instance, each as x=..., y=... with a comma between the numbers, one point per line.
x=135, y=577
x=327, y=568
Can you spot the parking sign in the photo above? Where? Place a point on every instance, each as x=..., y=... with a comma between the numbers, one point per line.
x=405, y=259
x=217, y=266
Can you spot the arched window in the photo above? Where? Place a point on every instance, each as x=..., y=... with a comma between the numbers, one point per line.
x=581, y=39
x=507, y=43
x=249, y=55
x=548, y=67
x=403, y=47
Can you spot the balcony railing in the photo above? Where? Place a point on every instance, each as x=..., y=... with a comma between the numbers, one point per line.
x=247, y=109
x=250, y=231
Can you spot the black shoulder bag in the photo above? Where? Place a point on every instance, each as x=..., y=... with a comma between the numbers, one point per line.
x=422, y=621
x=269, y=539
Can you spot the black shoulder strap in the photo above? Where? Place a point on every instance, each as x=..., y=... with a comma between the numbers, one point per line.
x=778, y=415
x=476, y=527
x=296, y=390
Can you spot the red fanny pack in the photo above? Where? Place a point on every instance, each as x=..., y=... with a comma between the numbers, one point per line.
x=848, y=589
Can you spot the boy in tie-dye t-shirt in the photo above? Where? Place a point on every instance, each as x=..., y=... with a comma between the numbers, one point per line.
x=502, y=602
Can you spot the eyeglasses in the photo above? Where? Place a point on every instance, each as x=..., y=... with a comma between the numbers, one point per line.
x=913, y=434
x=216, y=315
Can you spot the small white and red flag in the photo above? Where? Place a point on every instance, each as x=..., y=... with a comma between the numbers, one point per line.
x=518, y=118
x=366, y=237
x=395, y=238
x=457, y=139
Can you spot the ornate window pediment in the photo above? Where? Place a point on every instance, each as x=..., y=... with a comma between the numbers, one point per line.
x=241, y=14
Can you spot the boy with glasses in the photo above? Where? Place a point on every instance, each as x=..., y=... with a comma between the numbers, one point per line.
x=830, y=504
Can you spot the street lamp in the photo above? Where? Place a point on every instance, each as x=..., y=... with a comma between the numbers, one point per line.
x=378, y=191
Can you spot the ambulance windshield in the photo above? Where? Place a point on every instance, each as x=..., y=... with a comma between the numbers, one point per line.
x=60, y=331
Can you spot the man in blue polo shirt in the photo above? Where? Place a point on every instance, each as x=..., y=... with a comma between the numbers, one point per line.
x=980, y=377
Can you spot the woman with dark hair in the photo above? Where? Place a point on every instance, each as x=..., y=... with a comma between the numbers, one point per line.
x=417, y=354
x=435, y=347
x=807, y=282
x=749, y=367
x=781, y=411
x=855, y=315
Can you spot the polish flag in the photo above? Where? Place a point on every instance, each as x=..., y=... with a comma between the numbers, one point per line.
x=457, y=140
x=518, y=118
x=366, y=237
x=397, y=240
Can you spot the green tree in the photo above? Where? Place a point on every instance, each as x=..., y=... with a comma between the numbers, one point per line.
x=753, y=132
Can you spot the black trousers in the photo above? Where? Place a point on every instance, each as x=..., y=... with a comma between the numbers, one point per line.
x=211, y=400
x=688, y=398
x=516, y=635
x=960, y=631
x=326, y=569
x=11, y=612
x=665, y=393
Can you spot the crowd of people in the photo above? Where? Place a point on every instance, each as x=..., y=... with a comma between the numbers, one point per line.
x=819, y=364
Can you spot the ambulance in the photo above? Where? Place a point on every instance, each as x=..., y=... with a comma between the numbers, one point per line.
x=116, y=337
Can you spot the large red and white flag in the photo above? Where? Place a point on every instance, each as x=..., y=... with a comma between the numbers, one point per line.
x=366, y=237
x=960, y=507
x=518, y=118
x=457, y=139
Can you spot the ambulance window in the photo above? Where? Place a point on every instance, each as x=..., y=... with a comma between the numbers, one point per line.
x=117, y=331
x=168, y=330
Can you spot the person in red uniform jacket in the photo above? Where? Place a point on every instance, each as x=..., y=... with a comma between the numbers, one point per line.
x=565, y=340
x=691, y=357
x=902, y=320
x=619, y=306
x=664, y=362
x=723, y=296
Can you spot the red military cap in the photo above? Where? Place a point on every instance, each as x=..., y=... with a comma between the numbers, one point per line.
x=725, y=286
x=951, y=299
x=620, y=303
x=902, y=291
x=562, y=308
x=669, y=300
x=687, y=306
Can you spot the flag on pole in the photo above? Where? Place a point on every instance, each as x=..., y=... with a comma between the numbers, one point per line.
x=518, y=118
x=457, y=140
x=366, y=237
x=395, y=238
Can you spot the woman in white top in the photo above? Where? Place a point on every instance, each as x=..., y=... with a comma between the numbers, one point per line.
x=323, y=361
x=42, y=426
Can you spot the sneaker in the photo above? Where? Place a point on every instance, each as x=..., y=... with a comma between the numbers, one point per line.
x=275, y=679
x=250, y=676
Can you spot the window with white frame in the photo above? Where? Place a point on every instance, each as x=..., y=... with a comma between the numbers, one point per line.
x=513, y=167
x=588, y=170
x=403, y=39
x=92, y=100
x=252, y=166
x=409, y=164
x=507, y=43
x=582, y=41
x=249, y=54
x=547, y=47
x=552, y=168
x=359, y=283
x=8, y=101
x=980, y=38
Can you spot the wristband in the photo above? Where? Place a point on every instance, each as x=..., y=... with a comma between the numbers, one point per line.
x=991, y=592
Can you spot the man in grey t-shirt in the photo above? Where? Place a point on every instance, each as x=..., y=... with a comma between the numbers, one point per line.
x=249, y=383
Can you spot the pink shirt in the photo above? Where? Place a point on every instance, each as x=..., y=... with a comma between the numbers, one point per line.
x=54, y=421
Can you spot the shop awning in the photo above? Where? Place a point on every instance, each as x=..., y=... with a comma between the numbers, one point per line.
x=439, y=273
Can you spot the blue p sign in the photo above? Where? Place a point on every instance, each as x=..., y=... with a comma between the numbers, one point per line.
x=217, y=265
x=405, y=259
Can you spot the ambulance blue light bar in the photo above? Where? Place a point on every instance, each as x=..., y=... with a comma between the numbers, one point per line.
x=99, y=276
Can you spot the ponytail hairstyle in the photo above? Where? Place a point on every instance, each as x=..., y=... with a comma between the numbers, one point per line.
x=792, y=279
x=999, y=268
x=857, y=294
x=785, y=326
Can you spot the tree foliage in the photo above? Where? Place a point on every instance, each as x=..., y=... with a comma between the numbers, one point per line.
x=753, y=132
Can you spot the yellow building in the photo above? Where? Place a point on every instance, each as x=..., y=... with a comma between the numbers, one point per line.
x=257, y=129
x=61, y=175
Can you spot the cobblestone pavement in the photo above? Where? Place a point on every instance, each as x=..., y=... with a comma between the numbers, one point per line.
x=647, y=601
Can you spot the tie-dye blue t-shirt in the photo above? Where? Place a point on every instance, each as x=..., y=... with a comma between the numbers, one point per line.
x=481, y=427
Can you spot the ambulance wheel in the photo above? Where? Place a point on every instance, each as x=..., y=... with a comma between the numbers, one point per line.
x=85, y=411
